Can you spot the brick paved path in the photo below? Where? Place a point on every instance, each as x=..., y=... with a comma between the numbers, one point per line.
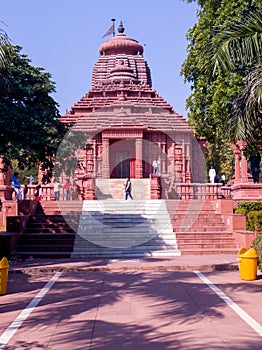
x=131, y=311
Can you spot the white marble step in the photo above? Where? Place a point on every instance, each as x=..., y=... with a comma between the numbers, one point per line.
x=141, y=226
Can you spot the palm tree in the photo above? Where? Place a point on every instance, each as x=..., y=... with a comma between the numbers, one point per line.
x=4, y=59
x=240, y=47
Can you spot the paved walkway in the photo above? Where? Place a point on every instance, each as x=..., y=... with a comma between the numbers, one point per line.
x=130, y=310
x=137, y=304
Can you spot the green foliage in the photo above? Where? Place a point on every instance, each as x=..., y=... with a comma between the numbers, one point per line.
x=24, y=174
x=257, y=245
x=4, y=60
x=66, y=157
x=220, y=156
x=248, y=206
x=254, y=221
x=240, y=211
x=213, y=100
x=253, y=212
x=30, y=130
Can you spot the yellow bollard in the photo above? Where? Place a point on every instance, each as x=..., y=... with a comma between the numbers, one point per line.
x=4, y=266
x=248, y=264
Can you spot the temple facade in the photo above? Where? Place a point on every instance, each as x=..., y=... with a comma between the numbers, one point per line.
x=129, y=124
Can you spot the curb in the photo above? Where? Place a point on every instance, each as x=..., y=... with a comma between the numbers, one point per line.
x=202, y=268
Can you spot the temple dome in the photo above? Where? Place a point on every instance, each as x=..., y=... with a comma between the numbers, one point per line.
x=121, y=44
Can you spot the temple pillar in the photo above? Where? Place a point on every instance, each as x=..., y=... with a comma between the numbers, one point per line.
x=237, y=152
x=155, y=186
x=105, y=163
x=7, y=177
x=90, y=161
x=88, y=184
x=6, y=190
x=2, y=175
x=243, y=170
x=139, y=159
x=163, y=160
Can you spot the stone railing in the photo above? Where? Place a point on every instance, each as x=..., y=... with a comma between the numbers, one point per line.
x=48, y=192
x=200, y=191
x=179, y=191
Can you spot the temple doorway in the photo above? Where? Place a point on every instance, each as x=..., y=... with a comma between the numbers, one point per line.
x=122, y=158
x=122, y=165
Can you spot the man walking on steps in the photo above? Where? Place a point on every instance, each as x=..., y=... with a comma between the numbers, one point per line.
x=128, y=188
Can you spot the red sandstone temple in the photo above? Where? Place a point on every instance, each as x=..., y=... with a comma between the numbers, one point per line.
x=129, y=124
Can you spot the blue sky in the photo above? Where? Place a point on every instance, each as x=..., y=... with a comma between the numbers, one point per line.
x=63, y=37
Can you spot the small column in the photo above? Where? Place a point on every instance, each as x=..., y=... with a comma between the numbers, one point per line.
x=105, y=166
x=237, y=152
x=163, y=158
x=90, y=161
x=2, y=175
x=88, y=186
x=139, y=160
x=243, y=171
x=155, y=186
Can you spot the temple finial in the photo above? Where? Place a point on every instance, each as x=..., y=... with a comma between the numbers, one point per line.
x=121, y=28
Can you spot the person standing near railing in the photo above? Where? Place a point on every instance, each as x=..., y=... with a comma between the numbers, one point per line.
x=39, y=193
x=16, y=186
x=212, y=175
x=67, y=188
x=57, y=190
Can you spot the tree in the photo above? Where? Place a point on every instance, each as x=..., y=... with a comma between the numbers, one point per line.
x=213, y=98
x=4, y=60
x=30, y=130
x=239, y=45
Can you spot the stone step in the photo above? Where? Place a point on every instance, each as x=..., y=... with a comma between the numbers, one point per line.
x=197, y=229
x=45, y=248
x=209, y=251
x=207, y=245
x=114, y=188
x=45, y=254
x=203, y=235
x=133, y=224
x=119, y=228
x=127, y=254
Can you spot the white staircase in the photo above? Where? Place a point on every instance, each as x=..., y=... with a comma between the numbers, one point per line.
x=119, y=228
x=115, y=188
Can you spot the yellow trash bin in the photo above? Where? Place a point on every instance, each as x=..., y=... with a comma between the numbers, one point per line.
x=248, y=264
x=4, y=266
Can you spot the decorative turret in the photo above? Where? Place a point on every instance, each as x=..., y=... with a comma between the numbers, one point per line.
x=122, y=72
x=121, y=44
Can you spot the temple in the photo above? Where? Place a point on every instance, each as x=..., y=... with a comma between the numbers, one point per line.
x=129, y=124
x=129, y=131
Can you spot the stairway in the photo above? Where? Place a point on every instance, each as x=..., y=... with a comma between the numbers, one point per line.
x=199, y=230
x=51, y=230
x=119, y=228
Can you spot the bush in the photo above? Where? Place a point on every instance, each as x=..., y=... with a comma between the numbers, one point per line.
x=254, y=221
x=257, y=245
x=249, y=206
x=240, y=211
x=253, y=212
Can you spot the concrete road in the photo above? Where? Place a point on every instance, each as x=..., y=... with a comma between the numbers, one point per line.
x=131, y=311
